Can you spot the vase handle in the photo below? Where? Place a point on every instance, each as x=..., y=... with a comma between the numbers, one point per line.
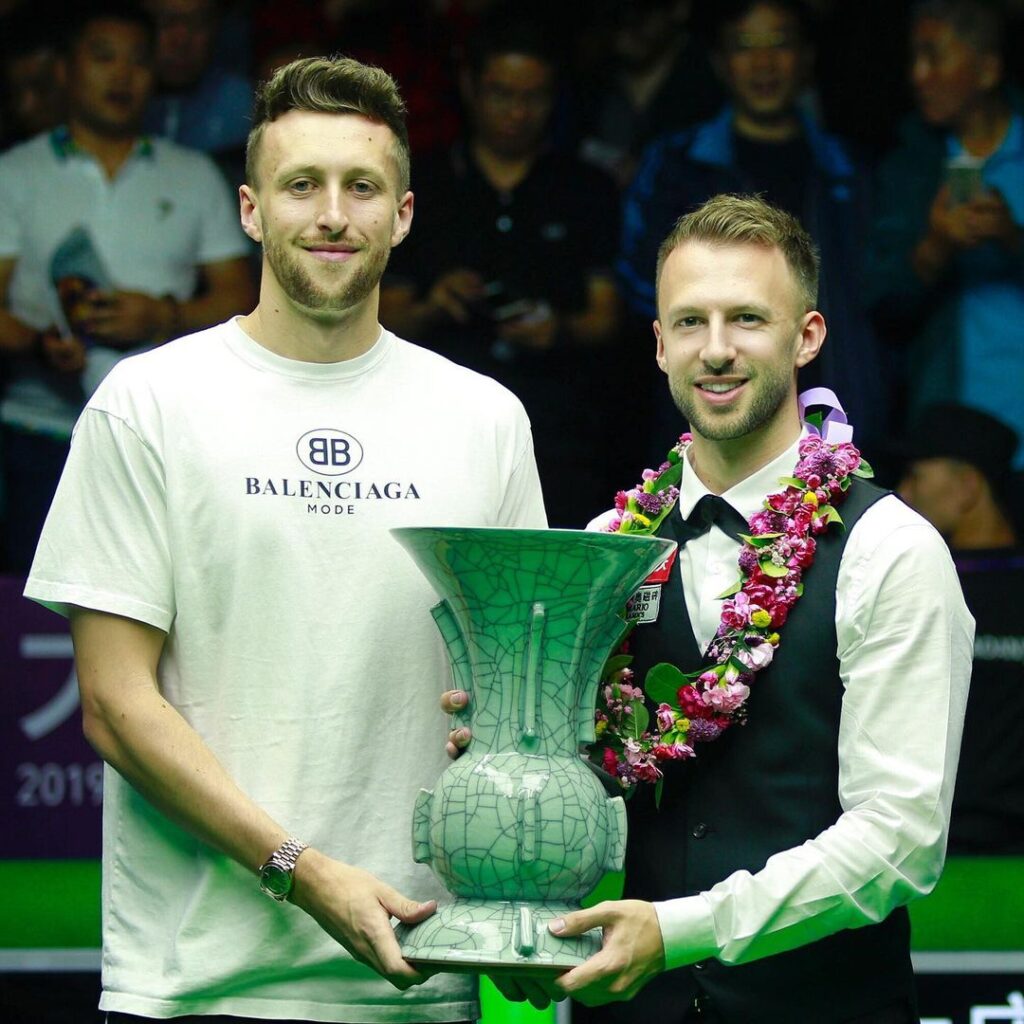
x=531, y=684
x=421, y=827
x=458, y=653
x=615, y=810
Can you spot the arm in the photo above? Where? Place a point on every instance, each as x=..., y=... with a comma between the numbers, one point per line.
x=449, y=299
x=15, y=336
x=142, y=736
x=905, y=657
x=126, y=318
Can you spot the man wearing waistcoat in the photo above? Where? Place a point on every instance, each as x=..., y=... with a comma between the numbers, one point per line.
x=770, y=883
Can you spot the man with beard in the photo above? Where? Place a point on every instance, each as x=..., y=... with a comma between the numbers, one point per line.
x=244, y=624
x=769, y=884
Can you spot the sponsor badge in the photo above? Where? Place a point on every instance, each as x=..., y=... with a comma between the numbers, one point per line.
x=645, y=603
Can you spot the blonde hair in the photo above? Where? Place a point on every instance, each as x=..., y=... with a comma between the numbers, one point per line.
x=749, y=220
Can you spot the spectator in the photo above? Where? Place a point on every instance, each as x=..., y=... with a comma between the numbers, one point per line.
x=946, y=261
x=33, y=99
x=651, y=76
x=108, y=241
x=762, y=143
x=511, y=274
x=197, y=103
x=958, y=467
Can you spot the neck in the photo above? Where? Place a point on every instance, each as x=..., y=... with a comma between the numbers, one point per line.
x=310, y=336
x=982, y=128
x=723, y=464
x=783, y=128
x=984, y=526
x=504, y=173
x=110, y=150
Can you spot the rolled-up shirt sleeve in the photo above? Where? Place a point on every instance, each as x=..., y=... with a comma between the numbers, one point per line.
x=905, y=640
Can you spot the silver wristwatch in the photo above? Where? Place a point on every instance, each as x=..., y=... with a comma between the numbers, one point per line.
x=277, y=875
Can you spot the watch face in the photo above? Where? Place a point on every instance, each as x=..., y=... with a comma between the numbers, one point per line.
x=275, y=881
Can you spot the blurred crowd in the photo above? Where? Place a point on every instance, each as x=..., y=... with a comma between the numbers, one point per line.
x=554, y=145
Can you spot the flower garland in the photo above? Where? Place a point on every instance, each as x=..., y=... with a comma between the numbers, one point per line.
x=697, y=707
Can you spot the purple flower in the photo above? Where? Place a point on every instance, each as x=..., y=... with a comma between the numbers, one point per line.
x=703, y=730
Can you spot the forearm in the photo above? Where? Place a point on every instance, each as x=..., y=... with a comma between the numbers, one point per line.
x=15, y=335
x=930, y=258
x=151, y=745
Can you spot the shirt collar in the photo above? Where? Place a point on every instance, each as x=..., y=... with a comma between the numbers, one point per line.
x=65, y=146
x=748, y=495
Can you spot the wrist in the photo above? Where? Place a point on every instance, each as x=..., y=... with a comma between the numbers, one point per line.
x=172, y=317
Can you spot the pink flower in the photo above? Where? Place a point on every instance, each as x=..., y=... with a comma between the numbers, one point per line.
x=756, y=658
x=666, y=717
x=736, y=611
x=673, y=751
x=726, y=698
x=621, y=497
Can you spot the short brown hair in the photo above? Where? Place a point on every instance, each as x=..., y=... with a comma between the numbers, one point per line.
x=748, y=219
x=330, y=85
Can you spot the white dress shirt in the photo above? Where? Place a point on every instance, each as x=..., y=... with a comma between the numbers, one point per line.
x=905, y=641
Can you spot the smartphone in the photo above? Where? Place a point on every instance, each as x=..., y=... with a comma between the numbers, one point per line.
x=963, y=176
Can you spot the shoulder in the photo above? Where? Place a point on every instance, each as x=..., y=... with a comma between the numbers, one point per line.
x=892, y=540
x=34, y=153
x=454, y=385
x=154, y=375
x=173, y=158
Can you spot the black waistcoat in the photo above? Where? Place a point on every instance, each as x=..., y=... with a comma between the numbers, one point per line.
x=764, y=787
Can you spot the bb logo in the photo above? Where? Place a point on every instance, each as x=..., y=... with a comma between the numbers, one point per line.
x=329, y=452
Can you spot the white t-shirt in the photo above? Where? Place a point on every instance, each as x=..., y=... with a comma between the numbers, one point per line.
x=242, y=502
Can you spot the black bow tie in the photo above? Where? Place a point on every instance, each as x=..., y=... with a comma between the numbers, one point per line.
x=711, y=509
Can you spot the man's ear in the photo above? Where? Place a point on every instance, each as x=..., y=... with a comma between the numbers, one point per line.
x=403, y=220
x=659, y=354
x=249, y=211
x=812, y=337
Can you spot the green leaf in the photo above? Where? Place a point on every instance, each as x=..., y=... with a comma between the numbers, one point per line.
x=814, y=419
x=659, y=787
x=864, y=469
x=792, y=481
x=670, y=478
x=762, y=540
x=663, y=682
x=638, y=721
x=769, y=568
x=734, y=589
x=830, y=514
x=614, y=664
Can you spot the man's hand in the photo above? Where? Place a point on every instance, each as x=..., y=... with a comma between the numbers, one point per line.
x=355, y=909
x=122, y=319
x=453, y=701
x=631, y=952
x=454, y=293
x=536, y=329
x=63, y=353
x=984, y=218
x=538, y=990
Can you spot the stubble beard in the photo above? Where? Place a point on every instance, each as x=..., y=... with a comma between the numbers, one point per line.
x=769, y=391
x=304, y=291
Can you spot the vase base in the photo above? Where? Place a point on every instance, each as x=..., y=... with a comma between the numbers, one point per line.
x=495, y=936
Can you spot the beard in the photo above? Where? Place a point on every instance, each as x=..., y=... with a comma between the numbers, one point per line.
x=769, y=390
x=300, y=286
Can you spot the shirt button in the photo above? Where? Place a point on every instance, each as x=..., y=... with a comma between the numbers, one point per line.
x=699, y=831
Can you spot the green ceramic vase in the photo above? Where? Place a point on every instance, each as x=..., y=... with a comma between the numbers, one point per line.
x=520, y=828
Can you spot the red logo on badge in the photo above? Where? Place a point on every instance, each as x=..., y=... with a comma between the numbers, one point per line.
x=663, y=573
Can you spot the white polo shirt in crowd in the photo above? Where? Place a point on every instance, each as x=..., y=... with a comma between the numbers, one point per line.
x=167, y=212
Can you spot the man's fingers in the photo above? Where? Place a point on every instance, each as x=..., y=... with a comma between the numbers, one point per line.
x=520, y=988
x=453, y=701
x=407, y=911
x=580, y=921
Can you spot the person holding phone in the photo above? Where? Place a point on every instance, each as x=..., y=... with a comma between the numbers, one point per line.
x=946, y=262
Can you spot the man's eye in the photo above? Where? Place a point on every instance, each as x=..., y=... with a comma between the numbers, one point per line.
x=748, y=318
x=301, y=186
x=688, y=321
x=363, y=188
